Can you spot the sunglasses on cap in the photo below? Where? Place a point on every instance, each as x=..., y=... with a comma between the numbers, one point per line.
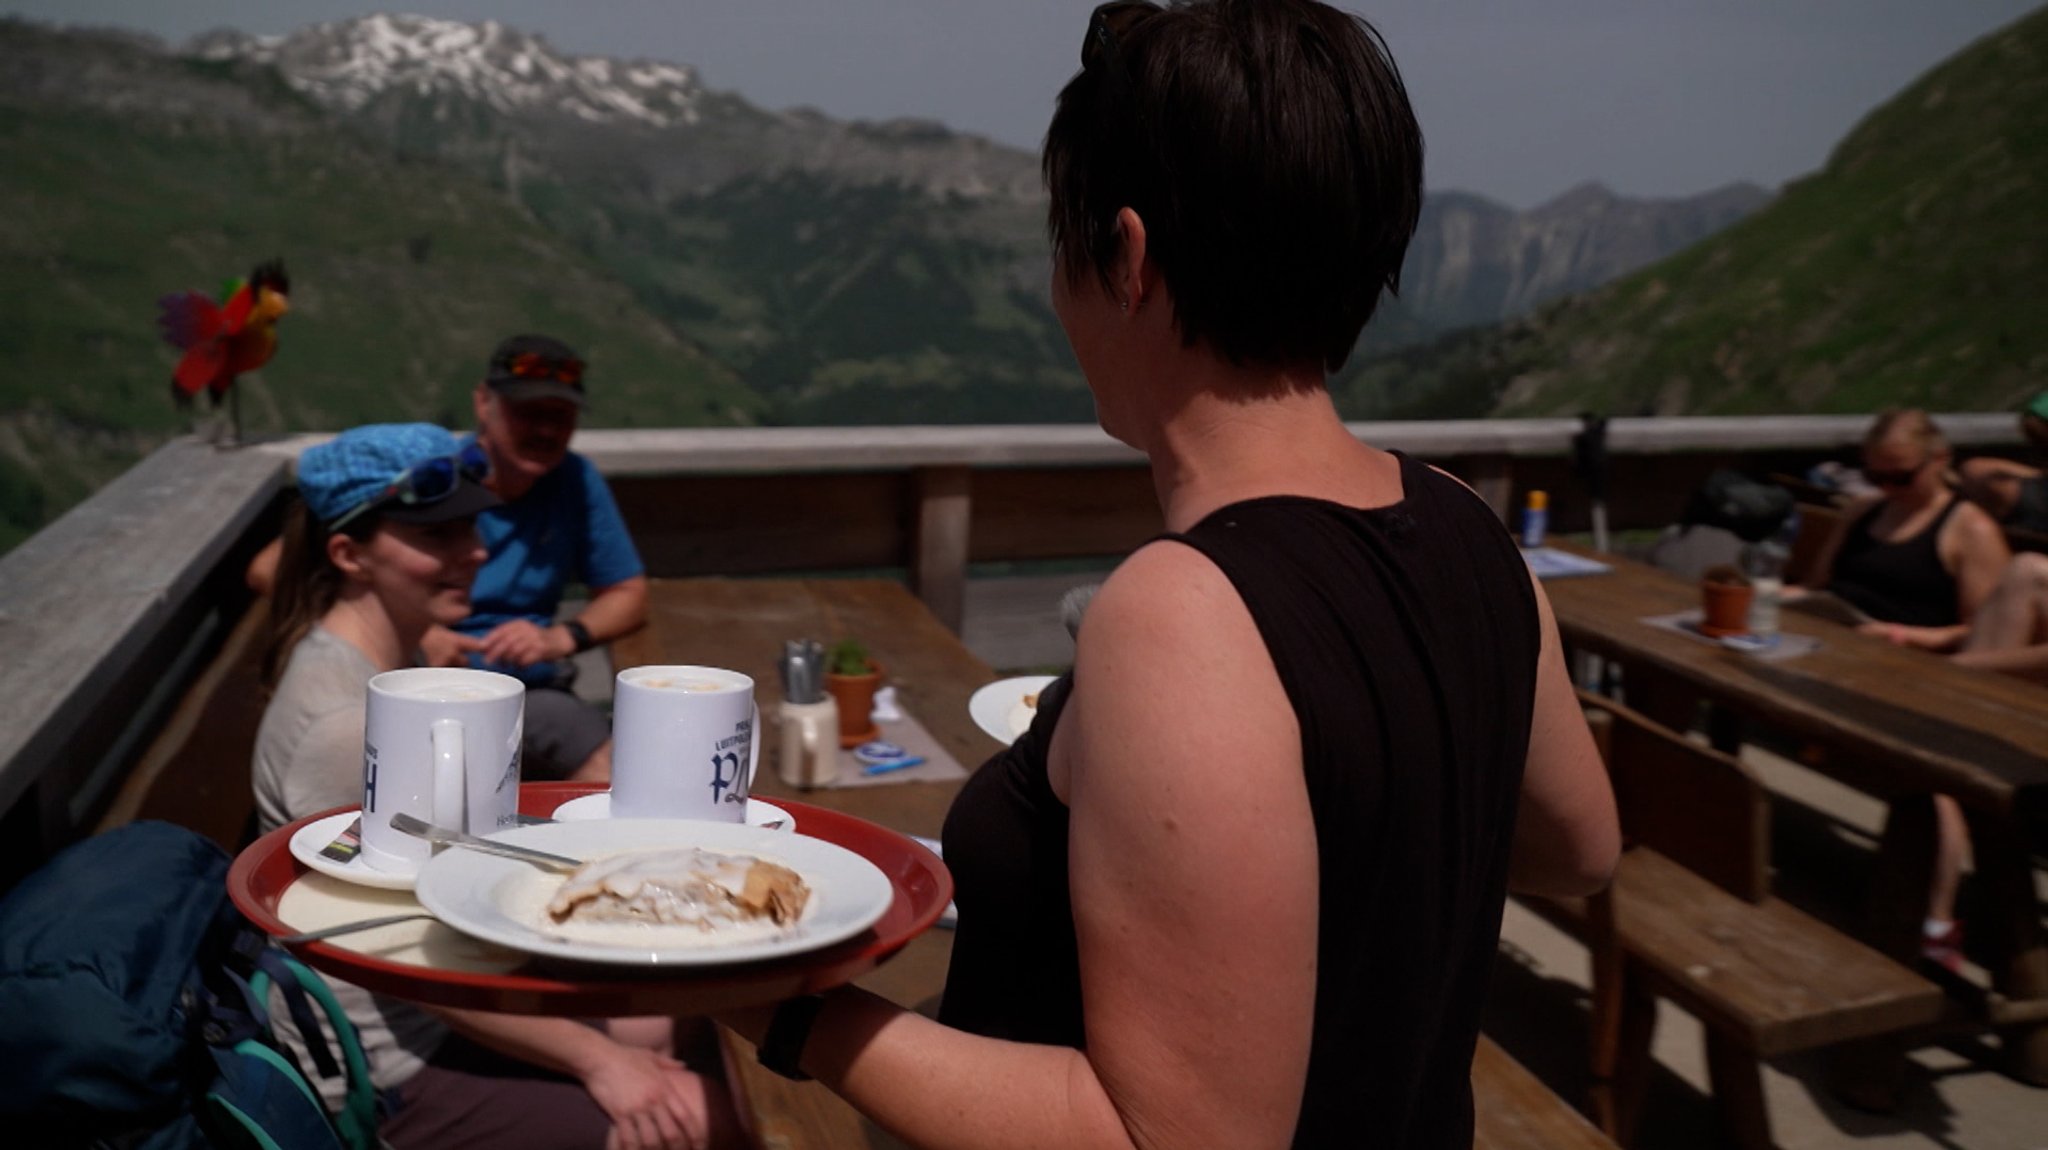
x=1903, y=477
x=422, y=484
x=533, y=365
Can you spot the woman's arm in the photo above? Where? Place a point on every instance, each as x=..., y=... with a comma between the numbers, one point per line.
x=1973, y=548
x=1193, y=872
x=1567, y=835
x=1925, y=638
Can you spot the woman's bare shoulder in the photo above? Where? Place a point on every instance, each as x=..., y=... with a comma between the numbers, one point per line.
x=1972, y=526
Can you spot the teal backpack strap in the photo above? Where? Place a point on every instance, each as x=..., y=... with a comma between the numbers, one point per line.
x=260, y=1100
x=357, y=1121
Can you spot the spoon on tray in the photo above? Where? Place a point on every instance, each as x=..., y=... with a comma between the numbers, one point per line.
x=349, y=927
x=420, y=828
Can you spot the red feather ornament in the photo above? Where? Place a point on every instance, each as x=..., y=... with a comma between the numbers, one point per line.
x=222, y=341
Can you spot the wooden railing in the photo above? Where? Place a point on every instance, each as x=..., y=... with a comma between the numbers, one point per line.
x=108, y=615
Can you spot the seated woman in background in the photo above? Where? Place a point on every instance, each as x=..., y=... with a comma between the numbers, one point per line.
x=1922, y=561
x=1917, y=557
x=2015, y=494
x=383, y=546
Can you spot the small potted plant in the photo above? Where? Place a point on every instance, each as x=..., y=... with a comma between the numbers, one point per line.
x=1725, y=597
x=852, y=678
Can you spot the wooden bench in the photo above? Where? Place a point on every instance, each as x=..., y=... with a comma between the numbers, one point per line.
x=1514, y=1110
x=1690, y=918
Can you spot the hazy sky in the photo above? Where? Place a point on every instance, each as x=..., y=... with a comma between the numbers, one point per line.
x=1519, y=99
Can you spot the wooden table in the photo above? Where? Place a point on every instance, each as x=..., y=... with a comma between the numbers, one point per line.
x=741, y=624
x=1899, y=723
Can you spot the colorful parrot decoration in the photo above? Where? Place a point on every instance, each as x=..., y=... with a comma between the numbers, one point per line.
x=221, y=341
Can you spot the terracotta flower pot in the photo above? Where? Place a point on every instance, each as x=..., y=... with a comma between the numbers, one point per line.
x=855, y=695
x=1726, y=607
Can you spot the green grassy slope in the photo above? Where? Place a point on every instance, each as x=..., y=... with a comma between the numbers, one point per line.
x=404, y=275
x=1913, y=269
x=844, y=303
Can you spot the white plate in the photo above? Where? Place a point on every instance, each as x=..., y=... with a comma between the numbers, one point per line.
x=480, y=894
x=999, y=707
x=760, y=812
x=309, y=839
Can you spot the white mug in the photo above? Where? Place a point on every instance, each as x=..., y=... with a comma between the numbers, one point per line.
x=684, y=743
x=440, y=744
x=807, y=751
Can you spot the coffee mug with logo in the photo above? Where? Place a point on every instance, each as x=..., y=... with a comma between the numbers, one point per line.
x=684, y=743
x=440, y=744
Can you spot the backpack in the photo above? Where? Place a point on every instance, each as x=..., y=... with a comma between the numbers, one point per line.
x=134, y=1008
x=1734, y=502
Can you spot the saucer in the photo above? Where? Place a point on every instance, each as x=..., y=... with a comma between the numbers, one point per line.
x=308, y=841
x=760, y=812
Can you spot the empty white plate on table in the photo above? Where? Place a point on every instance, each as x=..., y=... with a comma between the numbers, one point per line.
x=999, y=707
x=503, y=900
x=760, y=812
x=308, y=841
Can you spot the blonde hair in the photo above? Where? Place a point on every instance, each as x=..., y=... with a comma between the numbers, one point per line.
x=1907, y=423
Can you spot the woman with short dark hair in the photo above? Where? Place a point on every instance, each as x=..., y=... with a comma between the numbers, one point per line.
x=1240, y=884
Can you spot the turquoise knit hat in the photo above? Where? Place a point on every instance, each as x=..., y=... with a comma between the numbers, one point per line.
x=363, y=464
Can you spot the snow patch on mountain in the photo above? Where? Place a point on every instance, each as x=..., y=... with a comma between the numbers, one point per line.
x=349, y=63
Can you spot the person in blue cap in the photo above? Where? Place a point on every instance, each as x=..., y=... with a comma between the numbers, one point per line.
x=382, y=546
x=2014, y=493
x=556, y=525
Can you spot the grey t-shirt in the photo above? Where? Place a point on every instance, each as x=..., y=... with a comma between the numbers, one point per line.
x=309, y=758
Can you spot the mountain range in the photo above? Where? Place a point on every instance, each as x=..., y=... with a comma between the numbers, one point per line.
x=432, y=185
x=916, y=273
x=1909, y=271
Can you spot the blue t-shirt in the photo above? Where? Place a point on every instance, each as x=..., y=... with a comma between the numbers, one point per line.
x=566, y=529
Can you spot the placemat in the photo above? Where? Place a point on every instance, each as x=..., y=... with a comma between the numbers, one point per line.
x=1550, y=563
x=908, y=733
x=1782, y=646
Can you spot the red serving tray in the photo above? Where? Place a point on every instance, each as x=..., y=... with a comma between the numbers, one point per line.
x=922, y=885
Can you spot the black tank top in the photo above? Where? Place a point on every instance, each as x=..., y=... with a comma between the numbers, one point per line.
x=1407, y=639
x=1901, y=582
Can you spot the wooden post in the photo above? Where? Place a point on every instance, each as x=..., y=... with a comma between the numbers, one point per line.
x=938, y=542
x=1493, y=477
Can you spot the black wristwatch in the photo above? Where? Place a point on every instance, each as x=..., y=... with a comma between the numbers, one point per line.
x=580, y=634
x=782, y=1048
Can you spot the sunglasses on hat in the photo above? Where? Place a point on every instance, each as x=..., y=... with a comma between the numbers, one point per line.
x=424, y=483
x=534, y=365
